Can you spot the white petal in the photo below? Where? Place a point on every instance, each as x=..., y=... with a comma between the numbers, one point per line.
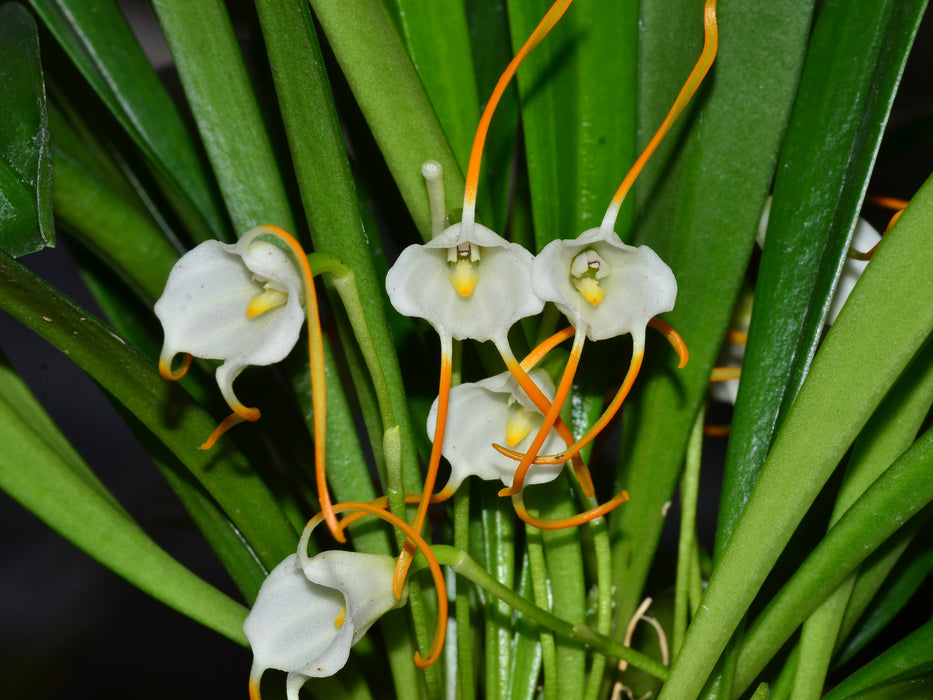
x=476, y=418
x=291, y=625
x=365, y=581
x=419, y=285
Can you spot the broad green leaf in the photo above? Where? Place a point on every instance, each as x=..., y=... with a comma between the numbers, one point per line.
x=25, y=158
x=100, y=43
x=162, y=407
x=38, y=474
x=854, y=62
x=700, y=214
x=831, y=408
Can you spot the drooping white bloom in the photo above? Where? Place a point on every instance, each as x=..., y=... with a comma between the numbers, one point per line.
x=602, y=285
x=305, y=621
x=494, y=410
x=466, y=283
x=240, y=303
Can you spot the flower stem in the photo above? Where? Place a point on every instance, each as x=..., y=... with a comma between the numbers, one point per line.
x=464, y=565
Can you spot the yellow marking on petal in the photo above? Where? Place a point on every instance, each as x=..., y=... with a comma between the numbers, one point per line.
x=265, y=300
x=590, y=289
x=254, y=690
x=464, y=275
x=341, y=617
x=520, y=422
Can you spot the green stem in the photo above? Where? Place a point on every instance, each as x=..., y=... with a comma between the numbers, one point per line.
x=466, y=687
x=689, y=490
x=540, y=587
x=464, y=565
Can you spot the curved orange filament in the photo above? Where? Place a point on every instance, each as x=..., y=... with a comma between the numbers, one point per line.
x=443, y=400
x=413, y=536
x=542, y=403
x=673, y=337
x=240, y=414
x=476, y=154
x=318, y=384
x=536, y=355
x=707, y=55
x=725, y=374
x=549, y=418
x=885, y=202
x=597, y=427
x=444, y=494
x=716, y=430
x=165, y=368
x=518, y=504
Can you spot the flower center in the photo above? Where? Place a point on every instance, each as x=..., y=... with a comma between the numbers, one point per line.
x=586, y=270
x=266, y=300
x=464, y=267
x=520, y=422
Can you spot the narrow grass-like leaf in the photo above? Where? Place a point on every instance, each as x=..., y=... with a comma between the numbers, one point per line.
x=913, y=571
x=700, y=215
x=438, y=42
x=35, y=474
x=889, y=433
x=100, y=43
x=161, y=406
x=393, y=100
x=854, y=61
x=831, y=408
x=218, y=89
x=25, y=158
x=899, y=493
x=908, y=658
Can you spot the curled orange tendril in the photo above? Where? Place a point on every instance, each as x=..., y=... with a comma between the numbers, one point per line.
x=707, y=55
x=318, y=389
x=174, y=375
x=469, y=205
x=419, y=542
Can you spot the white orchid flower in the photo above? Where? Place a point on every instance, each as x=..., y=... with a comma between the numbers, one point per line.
x=494, y=410
x=607, y=288
x=304, y=621
x=240, y=303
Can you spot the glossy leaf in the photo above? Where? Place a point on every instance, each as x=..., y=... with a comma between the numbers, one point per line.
x=25, y=156
x=831, y=408
x=100, y=43
x=854, y=63
x=702, y=201
x=134, y=381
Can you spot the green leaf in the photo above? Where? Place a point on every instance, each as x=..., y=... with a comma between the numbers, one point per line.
x=855, y=58
x=25, y=160
x=703, y=200
x=393, y=100
x=42, y=474
x=831, y=408
x=100, y=43
x=227, y=113
x=909, y=658
x=159, y=405
x=902, y=491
